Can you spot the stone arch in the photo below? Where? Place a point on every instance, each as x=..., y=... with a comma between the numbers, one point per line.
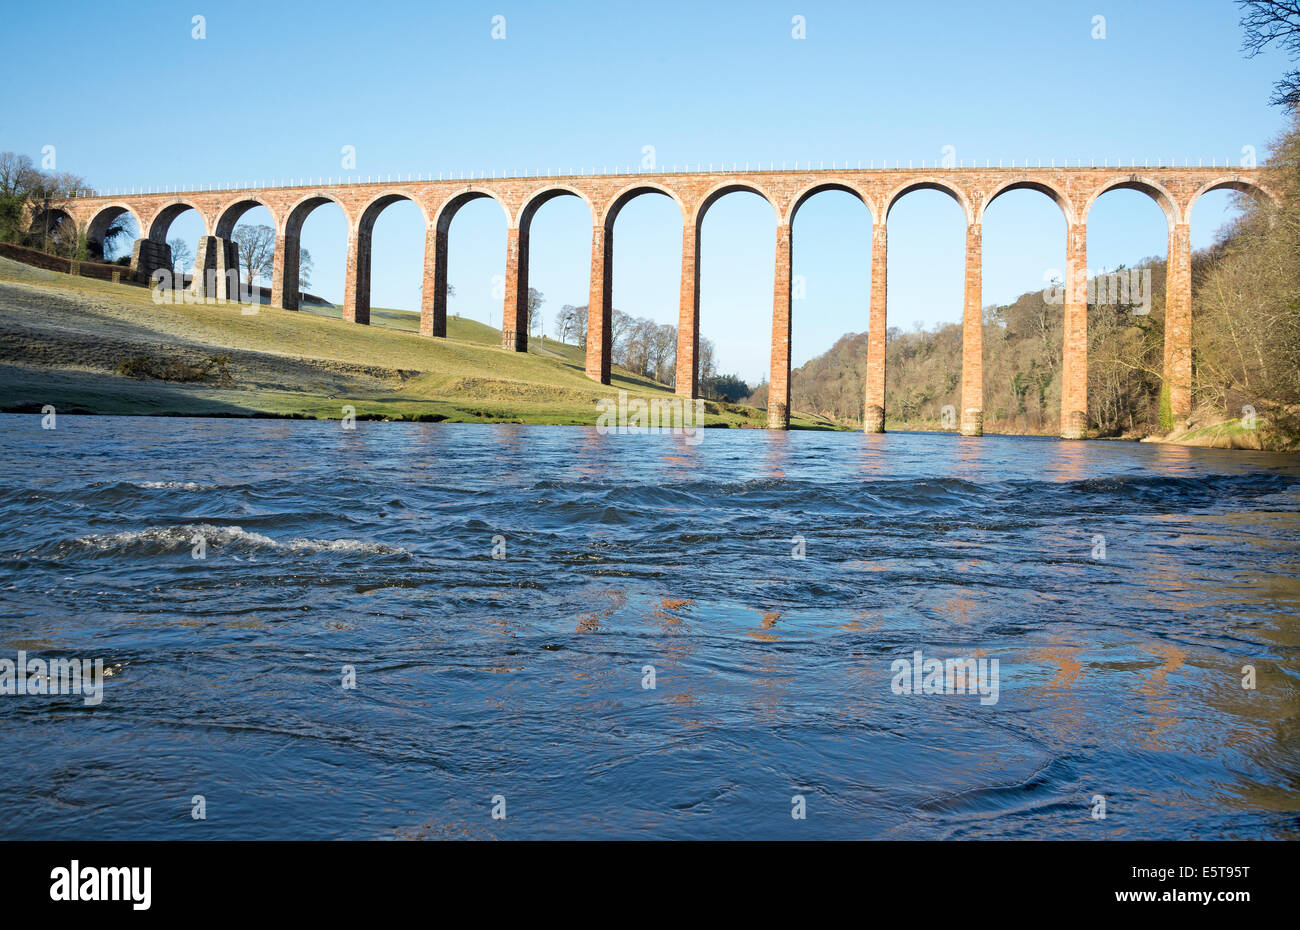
x=600, y=297
x=778, y=396
x=812, y=190
x=970, y=386
x=1177, y=364
x=877, y=246
x=102, y=219
x=297, y=214
x=518, y=314
x=1046, y=188
x=630, y=193
x=1071, y=240
x=730, y=187
x=931, y=184
x=545, y=195
x=285, y=291
x=163, y=218
x=451, y=206
x=228, y=216
x=54, y=222
x=1233, y=183
x=1134, y=182
x=381, y=202
x=357, y=302
x=433, y=299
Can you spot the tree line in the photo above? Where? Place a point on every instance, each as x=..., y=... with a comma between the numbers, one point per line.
x=649, y=350
x=29, y=200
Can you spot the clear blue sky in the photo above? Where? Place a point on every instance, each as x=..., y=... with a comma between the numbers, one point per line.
x=275, y=90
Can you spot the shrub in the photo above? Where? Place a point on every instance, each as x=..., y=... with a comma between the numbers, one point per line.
x=215, y=369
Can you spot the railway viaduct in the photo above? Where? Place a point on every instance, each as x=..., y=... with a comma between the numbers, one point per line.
x=1074, y=190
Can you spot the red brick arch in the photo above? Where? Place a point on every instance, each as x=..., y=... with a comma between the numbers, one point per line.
x=103, y=218
x=1177, y=366
x=356, y=293
x=544, y=195
x=165, y=215
x=812, y=190
x=629, y=193
x=514, y=321
x=229, y=215
x=382, y=201
x=297, y=212
x=449, y=207
x=1135, y=182
x=284, y=276
x=931, y=184
x=433, y=294
x=1042, y=186
x=56, y=221
x=1259, y=192
x=600, y=296
x=722, y=189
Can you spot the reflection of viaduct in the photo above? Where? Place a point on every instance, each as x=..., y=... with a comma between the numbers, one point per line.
x=1074, y=190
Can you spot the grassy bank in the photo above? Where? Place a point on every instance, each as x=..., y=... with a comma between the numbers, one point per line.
x=1233, y=434
x=93, y=346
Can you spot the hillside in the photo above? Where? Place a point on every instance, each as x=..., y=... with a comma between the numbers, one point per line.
x=93, y=346
x=1022, y=363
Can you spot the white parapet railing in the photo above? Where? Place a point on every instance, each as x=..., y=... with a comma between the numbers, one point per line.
x=735, y=167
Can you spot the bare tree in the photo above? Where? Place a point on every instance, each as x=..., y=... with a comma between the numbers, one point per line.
x=182, y=256
x=707, y=361
x=257, y=251
x=535, y=320
x=17, y=174
x=305, y=268
x=663, y=353
x=620, y=323
x=571, y=325
x=22, y=188
x=52, y=229
x=1269, y=22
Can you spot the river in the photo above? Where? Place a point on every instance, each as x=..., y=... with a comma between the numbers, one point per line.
x=446, y=631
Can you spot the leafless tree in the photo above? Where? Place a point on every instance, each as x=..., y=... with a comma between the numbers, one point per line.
x=257, y=250
x=535, y=319
x=182, y=256
x=571, y=325
x=708, y=361
x=1274, y=22
x=17, y=174
x=306, y=266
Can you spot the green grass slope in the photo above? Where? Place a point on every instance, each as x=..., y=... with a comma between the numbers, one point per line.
x=93, y=346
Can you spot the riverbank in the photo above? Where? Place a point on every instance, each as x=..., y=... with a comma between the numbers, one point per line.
x=1234, y=433
x=88, y=346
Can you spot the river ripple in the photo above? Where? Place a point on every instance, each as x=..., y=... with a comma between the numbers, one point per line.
x=523, y=676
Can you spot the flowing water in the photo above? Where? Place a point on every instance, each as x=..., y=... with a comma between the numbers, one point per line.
x=1121, y=588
